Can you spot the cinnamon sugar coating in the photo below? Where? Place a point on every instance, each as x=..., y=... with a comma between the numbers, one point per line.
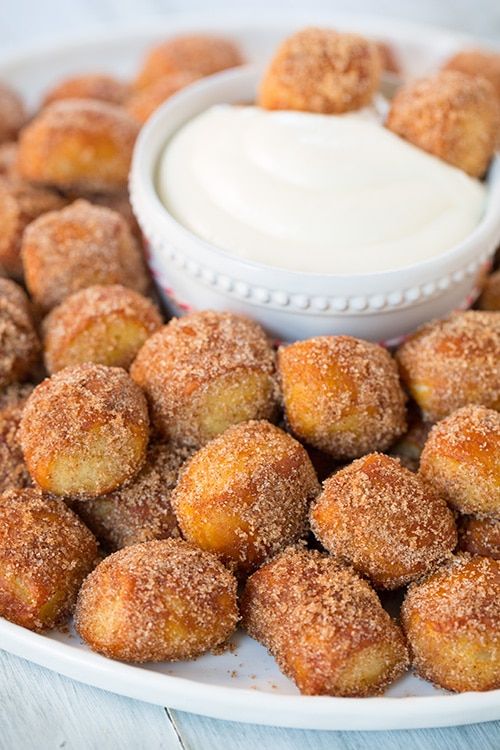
x=12, y=113
x=77, y=247
x=461, y=460
x=453, y=362
x=140, y=510
x=381, y=518
x=19, y=344
x=480, y=536
x=99, y=86
x=106, y=325
x=198, y=54
x=245, y=495
x=118, y=202
x=490, y=296
x=20, y=204
x=342, y=395
x=452, y=116
x=144, y=102
x=13, y=471
x=84, y=431
x=321, y=70
x=451, y=620
x=158, y=601
x=205, y=372
x=45, y=553
x=477, y=62
x=324, y=625
x=81, y=144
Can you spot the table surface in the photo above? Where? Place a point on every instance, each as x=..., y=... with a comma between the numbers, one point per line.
x=41, y=710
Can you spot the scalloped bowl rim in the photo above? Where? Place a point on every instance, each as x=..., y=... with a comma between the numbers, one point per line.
x=143, y=178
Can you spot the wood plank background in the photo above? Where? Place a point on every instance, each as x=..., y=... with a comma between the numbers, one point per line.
x=39, y=709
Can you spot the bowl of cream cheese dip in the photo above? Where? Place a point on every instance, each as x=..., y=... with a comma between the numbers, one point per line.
x=309, y=223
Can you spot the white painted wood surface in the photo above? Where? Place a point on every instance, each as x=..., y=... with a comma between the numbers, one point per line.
x=40, y=710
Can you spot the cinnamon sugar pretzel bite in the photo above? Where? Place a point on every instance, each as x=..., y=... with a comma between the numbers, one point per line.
x=381, y=518
x=461, y=460
x=20, y=204
x=451, y=115
x=79, y=144
x=198, y=54
x=106, y=325
x=480, y=536
x=451, y=621
x=19, y=344
x=13, y=470
x=84, y=431
x=45, y=553
x=77, y=247
x=321, y=70
x=158, y=601
x=245, y=495
x=205, y=372
x=12, y=113
x=453, y=362
x=140, y=510
x=324, y=625
x=98, y=86
x=341, y=395
x=477, y=62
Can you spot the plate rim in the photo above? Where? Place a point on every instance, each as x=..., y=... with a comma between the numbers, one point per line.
x=248, y=705
x=155, y=24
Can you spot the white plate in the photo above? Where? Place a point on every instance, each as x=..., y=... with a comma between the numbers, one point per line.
x=243, y=684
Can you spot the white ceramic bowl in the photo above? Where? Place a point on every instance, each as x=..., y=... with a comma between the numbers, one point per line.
x=193, y=274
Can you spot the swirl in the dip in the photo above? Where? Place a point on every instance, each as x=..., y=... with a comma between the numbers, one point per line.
x=311, y=192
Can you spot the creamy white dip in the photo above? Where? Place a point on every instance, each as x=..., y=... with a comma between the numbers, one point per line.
x=319, y=193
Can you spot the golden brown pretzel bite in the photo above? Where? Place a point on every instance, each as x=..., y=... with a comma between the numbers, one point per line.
x=20, y=204
x=77, y=247
x=324, y=625
x=144, y=102
x=341, y=395
x=157, y=601
x=19, y=344
x=84, y=431
x=381, y=518
x=245, y=495
x=13, y=470
x=205, y=372
x=451, y=621
x=106, y=325
x=198, y=54
x=461, y=460
x=99, y=86
x=453, y=362
x=80, y=144
x=321, y=70
x=490, y=296
x=451, y=115
x=12, y=113
x=45, y=553
x=480, y=536
x=477, y=62
x=140, y=510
